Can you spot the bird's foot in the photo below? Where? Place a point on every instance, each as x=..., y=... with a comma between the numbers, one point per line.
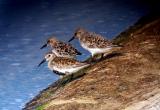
x=102, y=56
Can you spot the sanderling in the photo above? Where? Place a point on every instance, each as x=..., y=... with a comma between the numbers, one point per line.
x=94, y=43
x=61, y=49
x=63, y=65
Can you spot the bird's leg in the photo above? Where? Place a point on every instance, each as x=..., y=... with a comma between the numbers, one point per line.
x=92, y=58
x=102, y=56
x=61, y=76
x=70, y=76
x=67, y=78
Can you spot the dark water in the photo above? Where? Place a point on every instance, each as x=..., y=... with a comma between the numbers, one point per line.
x=24, y=26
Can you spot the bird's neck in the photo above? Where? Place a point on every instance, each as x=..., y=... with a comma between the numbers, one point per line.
x=53, y=43
x=50, y=60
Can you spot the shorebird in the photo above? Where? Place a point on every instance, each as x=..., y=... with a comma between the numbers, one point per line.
x=63, y=65
x=61, y=49
x=94, y=43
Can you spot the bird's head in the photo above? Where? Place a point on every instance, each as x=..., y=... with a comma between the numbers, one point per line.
x=78, y=34
x=48, y=56
x=50, y=41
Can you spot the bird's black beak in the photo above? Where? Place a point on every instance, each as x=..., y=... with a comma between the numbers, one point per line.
x=71, y=39
x=44, y=60
x=45, y=45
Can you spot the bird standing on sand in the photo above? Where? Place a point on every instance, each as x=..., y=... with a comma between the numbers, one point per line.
x=63, y=65
x=92, y=42
x=61, y=49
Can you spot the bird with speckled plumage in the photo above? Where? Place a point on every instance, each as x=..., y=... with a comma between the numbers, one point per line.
x=61, y=49
x=94, y=43
x=63, y=65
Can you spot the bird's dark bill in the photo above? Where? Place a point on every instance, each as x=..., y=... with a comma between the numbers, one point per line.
x=44, y=60
x=71, y=39
x=45, y=45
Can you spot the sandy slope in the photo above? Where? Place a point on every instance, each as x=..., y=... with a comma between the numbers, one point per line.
x=130, y=80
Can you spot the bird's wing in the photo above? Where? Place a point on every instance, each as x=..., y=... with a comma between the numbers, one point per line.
x=65, y=48
x=93, y=40
x=73, y=50
x=102, y=42
x=63, y=62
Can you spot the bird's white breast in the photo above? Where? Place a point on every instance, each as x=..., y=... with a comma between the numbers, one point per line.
x=94, y=51
x=66, y=69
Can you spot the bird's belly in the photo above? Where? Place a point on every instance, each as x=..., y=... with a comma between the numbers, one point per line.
x=99, y=50
x=85, y=46
x=96, y=50
x=69, y=70
x=63, y=54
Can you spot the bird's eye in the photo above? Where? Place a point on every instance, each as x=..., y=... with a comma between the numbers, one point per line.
x=49, y=55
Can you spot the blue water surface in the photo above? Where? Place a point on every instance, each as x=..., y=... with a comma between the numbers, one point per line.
x=26, y=24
